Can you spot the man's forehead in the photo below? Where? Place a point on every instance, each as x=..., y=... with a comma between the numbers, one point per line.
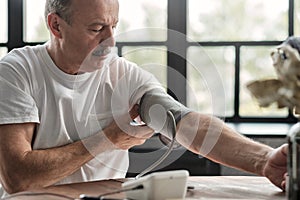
x=93, y=9
x=104, y=4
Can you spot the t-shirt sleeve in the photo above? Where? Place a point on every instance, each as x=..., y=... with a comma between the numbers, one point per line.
x=16, y=104
x=142, y=82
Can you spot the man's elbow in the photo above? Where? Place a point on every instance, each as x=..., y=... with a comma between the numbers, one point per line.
x=15, y=183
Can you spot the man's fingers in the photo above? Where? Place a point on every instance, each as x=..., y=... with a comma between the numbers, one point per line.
x=284, y=149
x=143, y=132
x=134, y=112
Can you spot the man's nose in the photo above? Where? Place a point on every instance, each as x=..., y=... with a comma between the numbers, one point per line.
x=108, y=39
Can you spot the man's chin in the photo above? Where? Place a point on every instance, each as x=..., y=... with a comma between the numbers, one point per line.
x=95, y=63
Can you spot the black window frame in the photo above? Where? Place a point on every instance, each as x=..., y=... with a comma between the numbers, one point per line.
x=177, y=21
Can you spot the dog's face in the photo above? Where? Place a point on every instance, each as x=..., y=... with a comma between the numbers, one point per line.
x=285, y=90
x=286, y=61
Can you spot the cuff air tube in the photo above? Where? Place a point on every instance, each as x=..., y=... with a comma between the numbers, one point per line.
x=154, y=107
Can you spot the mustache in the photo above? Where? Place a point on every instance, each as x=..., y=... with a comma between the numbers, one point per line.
x=101, y=51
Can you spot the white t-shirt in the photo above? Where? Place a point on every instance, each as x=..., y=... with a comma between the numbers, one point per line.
x=67, y=107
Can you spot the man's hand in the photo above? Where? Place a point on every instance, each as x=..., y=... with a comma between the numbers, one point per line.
x=276, y=167
x=123, y=135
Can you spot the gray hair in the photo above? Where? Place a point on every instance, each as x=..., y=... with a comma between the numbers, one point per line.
x=61, y=7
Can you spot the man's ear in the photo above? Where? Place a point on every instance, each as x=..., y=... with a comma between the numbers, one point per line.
x=54, y=24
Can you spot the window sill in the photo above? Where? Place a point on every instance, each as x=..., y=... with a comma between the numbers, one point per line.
x=262, y=129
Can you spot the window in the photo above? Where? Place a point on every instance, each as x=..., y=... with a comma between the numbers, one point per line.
x=256, y=63
x=3, y=51
x=142, y=20
x=35, y=29
x=210, y=72
x=149, y=27
x=3, y=21
x=150, y=58
x=205, y=52
x=297, y=18
x=3, y=27
x=249, y=30
x=237, y=20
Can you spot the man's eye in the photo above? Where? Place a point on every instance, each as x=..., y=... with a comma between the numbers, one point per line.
x=97, y=30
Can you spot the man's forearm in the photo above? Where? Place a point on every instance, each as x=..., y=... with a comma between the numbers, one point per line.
x=240, y=153
x=41, y=168
x=210, y=137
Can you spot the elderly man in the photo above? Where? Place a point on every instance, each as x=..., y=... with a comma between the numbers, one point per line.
x=66, y=107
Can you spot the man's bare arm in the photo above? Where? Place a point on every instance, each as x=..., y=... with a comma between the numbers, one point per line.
x=209, y=136
x=212, y=138
x=22, y=168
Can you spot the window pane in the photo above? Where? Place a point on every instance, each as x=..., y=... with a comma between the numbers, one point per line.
x=3, y=21
x=216, y=20
x=210, y=80
x=256, y=64
x=3, y=51
x=35, y=29
x=297, y=18
x=150, y=58
x=142, y=20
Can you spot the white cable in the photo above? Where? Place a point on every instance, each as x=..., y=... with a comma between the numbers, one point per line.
x=165, y=155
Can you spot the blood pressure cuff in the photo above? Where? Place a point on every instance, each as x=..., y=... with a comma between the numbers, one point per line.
x=154, y=106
